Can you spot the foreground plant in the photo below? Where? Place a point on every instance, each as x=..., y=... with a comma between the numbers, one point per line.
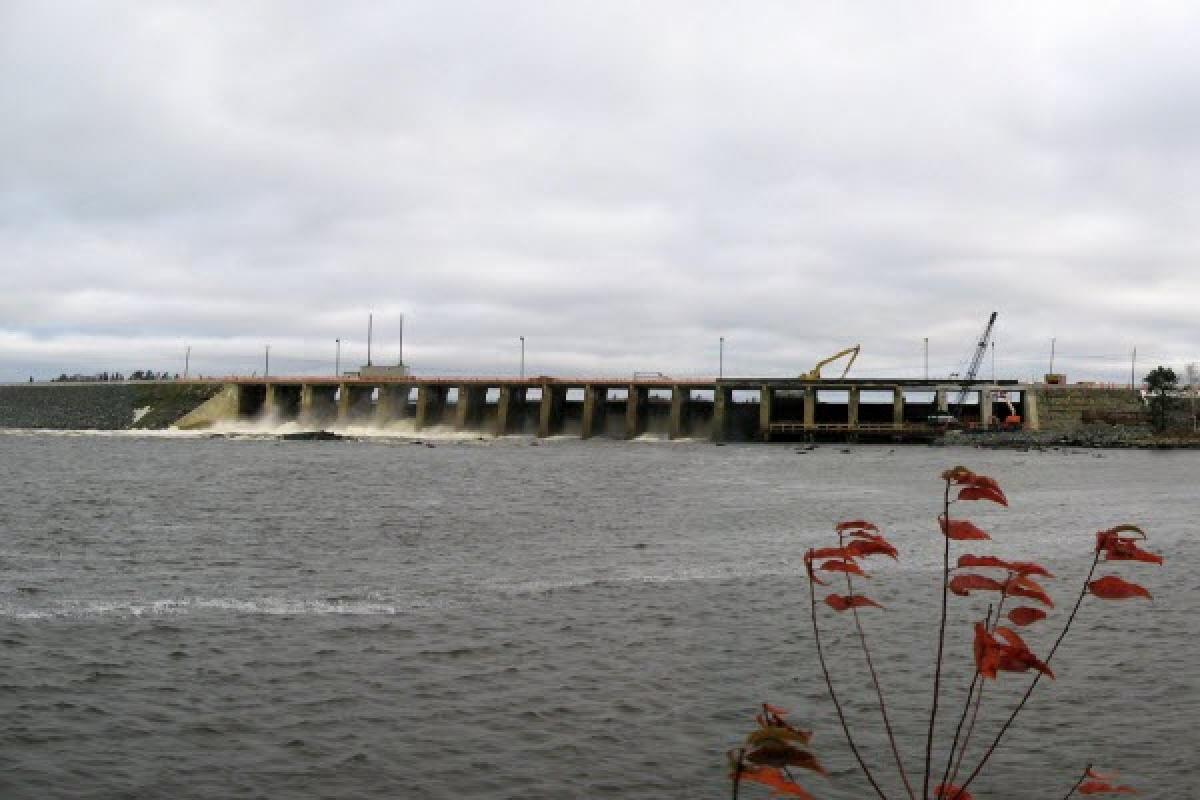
x=775, y=748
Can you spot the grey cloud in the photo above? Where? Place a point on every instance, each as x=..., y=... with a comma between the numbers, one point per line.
x=621, y=184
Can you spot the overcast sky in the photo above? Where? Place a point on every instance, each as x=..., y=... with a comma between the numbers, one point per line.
x=620, y=183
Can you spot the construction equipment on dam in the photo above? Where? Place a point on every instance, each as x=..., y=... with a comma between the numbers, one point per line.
x=814, y=374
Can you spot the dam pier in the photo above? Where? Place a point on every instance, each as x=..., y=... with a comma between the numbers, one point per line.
x=731, y=409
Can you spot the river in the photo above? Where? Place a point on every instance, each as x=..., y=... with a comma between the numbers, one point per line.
x=248, y=617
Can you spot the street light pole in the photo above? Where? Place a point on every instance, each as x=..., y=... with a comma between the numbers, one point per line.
x=721, y=363
x=187, y=358
x=926, y=358
x=267, y=362
x=337, y=357
x=522, y=358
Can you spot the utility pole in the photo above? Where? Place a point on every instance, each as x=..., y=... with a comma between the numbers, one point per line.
x=1053, y=341
x=267, y=362
x=926, y=358
x=1132, y=366
x=522, y=358
x=401, y=362
x=187, y=358
x=721, y=362
x=370, y=323
x=337, y=357
x=993, y=360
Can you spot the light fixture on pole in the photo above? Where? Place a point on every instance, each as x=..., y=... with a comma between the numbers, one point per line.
x=370, y=324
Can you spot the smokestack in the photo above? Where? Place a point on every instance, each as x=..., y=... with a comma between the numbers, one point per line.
x=370, y=323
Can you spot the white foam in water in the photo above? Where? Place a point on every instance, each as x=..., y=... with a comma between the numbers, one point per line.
x=271, y=606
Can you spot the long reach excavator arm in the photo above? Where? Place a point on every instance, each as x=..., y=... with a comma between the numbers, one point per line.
x=814, y=374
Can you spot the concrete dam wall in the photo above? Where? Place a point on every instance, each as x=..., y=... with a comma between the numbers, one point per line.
x=722, y=410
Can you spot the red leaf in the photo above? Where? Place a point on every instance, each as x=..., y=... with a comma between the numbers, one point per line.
x=776, y=710
x=843, y=565
x=1024, y=586
x=1110, y=587
x=961, y=530
x=1104, y=787
x=983, y=493
x=840, y=602
x=1010, y=636
x=1026, y=615
x=1116, y=549
x=951, y=792
x=1021, y=567
x=828, y=552
x=962, y=584
x=869, y=547
x=770, y=776
x=993, y=656
x=860, y=524
x=1101, y=776
x=1029, y=568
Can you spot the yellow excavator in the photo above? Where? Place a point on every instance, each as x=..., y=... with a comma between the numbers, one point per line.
x=814, y=374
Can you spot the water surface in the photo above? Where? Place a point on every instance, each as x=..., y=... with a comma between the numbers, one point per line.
x=259, y=618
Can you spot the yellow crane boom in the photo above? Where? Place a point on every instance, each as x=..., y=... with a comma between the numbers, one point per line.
x=814, y=374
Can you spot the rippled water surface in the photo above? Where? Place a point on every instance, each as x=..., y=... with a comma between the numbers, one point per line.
x=261, y=618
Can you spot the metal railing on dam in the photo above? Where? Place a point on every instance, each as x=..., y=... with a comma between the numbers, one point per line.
x=757, y=409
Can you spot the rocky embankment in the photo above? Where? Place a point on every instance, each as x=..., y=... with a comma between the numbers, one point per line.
x=99, y=406
x=1107, y=436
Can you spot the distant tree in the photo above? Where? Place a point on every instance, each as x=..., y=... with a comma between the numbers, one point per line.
x=1160, y=382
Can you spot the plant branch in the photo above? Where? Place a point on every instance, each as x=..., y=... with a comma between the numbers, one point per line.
x=937, y=672
x=887, y=723
x=966, y=707
x=812, y=596
x=1007, y=723
x=1082, y=778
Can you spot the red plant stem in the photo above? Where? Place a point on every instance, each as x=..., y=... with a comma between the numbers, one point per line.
x=1082, y=778
x=737, y=771
x=887, y=723
x=990, y=623
x=966, y=705
x=812, y=596
x=1004, y=728
x=937, y=672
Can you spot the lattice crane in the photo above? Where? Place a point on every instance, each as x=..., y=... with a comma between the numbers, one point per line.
x=976, y=360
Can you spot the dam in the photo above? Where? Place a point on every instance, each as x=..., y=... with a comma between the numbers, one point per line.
x=717, y=409
x=726, y=409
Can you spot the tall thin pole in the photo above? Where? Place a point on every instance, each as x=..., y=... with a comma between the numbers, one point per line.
x=993, y=360
x=370, y=324
x=267, y=362
x=187, y=358
x=522, y=358
x=721, y=363
x=1053, y=341
x=926, y=358
x=337, y=357
x=1132, y=366
x=401, y=362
